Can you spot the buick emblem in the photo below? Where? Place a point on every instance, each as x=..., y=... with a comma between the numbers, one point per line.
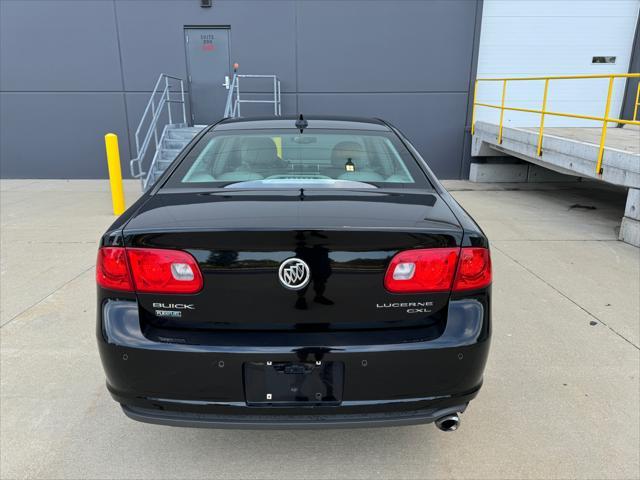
x=294, y=274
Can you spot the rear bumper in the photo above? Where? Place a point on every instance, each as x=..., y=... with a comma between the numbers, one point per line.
x=274, y=422
x=385, y=384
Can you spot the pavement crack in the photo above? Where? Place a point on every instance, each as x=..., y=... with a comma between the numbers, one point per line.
x=565, y=296
x=35, y=304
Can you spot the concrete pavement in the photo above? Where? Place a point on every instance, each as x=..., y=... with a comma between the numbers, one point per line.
x=561, y=391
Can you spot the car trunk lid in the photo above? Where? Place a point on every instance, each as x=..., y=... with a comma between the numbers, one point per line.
x=347, y=238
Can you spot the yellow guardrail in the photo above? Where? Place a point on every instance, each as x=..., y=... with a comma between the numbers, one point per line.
x=635, y=107
x=605, y=119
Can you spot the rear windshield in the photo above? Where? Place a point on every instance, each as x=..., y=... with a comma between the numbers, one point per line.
x=318, y=158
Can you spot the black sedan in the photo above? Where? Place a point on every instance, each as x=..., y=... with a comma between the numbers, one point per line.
x=295, y=273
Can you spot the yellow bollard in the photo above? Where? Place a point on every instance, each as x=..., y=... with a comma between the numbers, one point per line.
x=115, y=174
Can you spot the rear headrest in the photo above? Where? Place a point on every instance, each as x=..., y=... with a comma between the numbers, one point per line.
x=258, y=150
x=344, y=151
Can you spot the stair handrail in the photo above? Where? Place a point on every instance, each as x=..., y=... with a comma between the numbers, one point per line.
x=135, y=165
x=229, y=108
x=232, y=107
x=147, y=178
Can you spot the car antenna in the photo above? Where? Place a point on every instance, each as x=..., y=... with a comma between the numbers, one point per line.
x=301, y=123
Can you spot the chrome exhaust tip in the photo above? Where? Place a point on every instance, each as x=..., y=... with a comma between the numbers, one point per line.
x=448, y=423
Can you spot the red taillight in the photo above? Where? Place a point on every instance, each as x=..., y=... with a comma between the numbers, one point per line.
x=474, y=270
x=426, y=270
x=156, y=270
x=112, y=271
x=433, y=270
x=148, y=270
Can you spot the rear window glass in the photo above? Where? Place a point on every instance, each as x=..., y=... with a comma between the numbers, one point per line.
x=314, y=158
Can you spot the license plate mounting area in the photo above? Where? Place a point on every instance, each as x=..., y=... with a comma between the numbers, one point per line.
x=293, y=383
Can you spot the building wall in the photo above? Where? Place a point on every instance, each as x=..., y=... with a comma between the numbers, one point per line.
x=631, y=89
x=72, y=71
x=524, y=38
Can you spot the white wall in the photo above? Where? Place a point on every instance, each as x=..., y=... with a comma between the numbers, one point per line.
x=521, y=38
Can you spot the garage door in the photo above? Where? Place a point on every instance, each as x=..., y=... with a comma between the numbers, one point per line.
x=535, y=38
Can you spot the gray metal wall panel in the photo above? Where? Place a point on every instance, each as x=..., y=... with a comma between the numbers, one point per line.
x=58, y=46
x=385, y=46
x=631, y=88
x=466, y=153
x=417, y=53
x=36, y=143
x=433, y=122
x=152, y=37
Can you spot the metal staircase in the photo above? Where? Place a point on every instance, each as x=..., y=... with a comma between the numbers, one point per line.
x=173, y=139
x=167, y=96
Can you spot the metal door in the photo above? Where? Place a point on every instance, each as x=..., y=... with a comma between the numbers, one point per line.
x=208, y=70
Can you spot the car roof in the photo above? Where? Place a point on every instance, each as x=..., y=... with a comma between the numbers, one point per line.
x=313, y=122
